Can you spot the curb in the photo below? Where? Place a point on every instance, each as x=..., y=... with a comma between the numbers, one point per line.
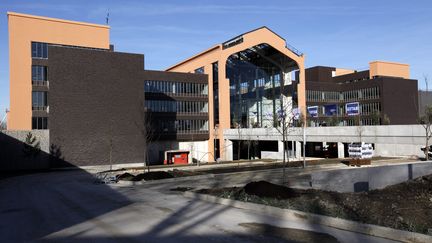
x=343, y=224
x=177, y=179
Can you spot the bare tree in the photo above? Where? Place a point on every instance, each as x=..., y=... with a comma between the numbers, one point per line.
x=386, y=120
x=426, y=122
x=111, y=143
x=285, y=117
x=148, y=132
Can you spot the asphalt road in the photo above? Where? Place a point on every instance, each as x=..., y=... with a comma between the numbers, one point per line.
x=70, y=207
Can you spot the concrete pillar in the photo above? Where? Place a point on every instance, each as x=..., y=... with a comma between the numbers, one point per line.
x=298, y=153
x=280, y=149
x=228, y=150
x=341, y=151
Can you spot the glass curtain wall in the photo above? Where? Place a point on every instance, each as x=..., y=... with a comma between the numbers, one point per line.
x=255, y=76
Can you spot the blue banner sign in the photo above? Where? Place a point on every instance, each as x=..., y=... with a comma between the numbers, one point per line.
x=352, y=109
x=313, y=111
x=330, y=110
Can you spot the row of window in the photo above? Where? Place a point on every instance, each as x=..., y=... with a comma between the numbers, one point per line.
x=168, y=87
x=39, y=73
x=39, y=123
x=177, y=106
x=361, y=94
x=39, y=100
x=363, y=122
x=267, y=83
x=329, y=96
x=39, y=50
x=314, y=95
x=183, y=126
x=370, y=108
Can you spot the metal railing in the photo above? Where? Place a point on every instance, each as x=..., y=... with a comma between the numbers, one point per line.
x=40, y=83
x=293, y=49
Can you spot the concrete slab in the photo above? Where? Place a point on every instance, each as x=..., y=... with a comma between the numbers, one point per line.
x=68, y=207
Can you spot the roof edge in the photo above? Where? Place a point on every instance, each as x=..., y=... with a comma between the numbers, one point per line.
x=194, y=56
x=57, y=20
x=389, y=62
x=220, y=46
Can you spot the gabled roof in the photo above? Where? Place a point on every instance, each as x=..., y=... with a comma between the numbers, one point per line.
x=220, y=46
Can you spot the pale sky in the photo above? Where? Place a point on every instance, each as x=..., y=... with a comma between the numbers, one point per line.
x=339, y=33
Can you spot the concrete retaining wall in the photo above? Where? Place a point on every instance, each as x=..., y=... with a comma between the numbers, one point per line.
x=12, y=156
x=368, y=178
x=41, y=135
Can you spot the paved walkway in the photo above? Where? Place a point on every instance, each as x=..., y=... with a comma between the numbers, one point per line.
x=68, y=207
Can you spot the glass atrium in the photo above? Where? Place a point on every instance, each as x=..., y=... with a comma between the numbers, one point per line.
x=255, y=76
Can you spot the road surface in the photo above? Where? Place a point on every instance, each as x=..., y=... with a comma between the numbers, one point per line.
x=69, y=207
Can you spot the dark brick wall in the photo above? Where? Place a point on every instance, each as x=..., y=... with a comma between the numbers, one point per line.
x=95, y=96
x=400, y=100
x=398, y=97
x=319, y=74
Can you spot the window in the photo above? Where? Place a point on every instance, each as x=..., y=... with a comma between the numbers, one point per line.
x=199, y=70
x=39, y=123
x=39, y=50
x=39, y=73
x=39, y=100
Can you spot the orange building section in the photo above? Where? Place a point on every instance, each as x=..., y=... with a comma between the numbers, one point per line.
x=391, y=69
x=220, y=55
x=23, y=29
x=343, y=71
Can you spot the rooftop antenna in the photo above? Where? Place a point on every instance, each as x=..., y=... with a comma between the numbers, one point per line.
x=107, y=17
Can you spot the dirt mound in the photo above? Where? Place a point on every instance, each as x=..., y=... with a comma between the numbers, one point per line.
x=125, y=177
x=267, y=189
x=153, y=175
x=405, y=206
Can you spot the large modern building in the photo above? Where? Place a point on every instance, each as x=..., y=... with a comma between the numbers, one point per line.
x=99, y=106
x=65, y=77
x=249, y=76
x=382, y=95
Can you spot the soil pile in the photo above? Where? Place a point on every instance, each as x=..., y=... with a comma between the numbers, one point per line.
x=405, y=206
x=153, y=175
x=267, y=189
x=125, y=177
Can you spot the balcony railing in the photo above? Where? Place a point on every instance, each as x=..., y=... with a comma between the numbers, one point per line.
x=40, y=83
x=40, y=108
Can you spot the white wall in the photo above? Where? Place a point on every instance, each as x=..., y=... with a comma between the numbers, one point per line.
x=398, y=150
x=198, y=150
x=392, y=140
